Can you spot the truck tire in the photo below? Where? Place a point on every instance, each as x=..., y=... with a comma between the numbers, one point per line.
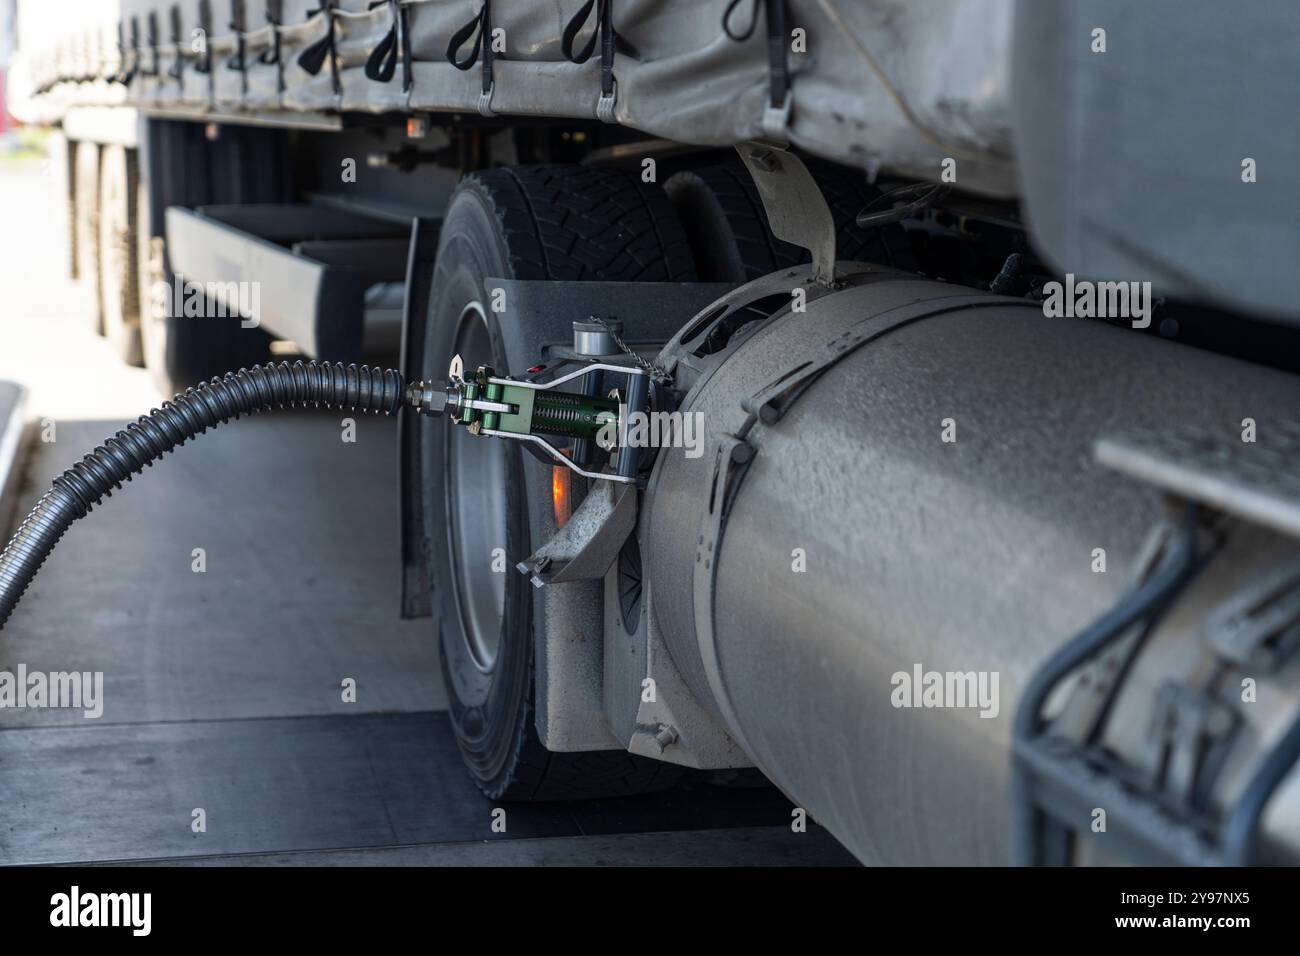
x=547, y=222
x=87, y=232
x=63, y=182
x=244, y=165
x=119, y=269
x=729, y=233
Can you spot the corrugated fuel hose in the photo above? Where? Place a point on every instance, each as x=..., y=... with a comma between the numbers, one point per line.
x=146, y=440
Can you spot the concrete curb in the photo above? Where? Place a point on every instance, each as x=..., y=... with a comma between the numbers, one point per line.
x=13, y=409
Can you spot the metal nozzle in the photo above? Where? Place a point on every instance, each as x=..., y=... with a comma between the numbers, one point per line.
x=428, y=398
x=438, y=398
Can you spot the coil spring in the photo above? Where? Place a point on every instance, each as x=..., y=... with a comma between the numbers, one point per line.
x=559, y=415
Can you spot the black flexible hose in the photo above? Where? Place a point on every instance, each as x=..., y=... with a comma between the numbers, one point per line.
x=140, y=444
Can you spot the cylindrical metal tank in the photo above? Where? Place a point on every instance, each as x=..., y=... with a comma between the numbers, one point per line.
x=927, y=503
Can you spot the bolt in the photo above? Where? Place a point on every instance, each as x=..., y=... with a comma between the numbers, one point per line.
x=765, y=160
x=665, y=737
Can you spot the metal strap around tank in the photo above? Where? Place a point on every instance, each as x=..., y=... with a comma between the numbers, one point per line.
x=735, y=452
x=772, y=402
x=733, y=457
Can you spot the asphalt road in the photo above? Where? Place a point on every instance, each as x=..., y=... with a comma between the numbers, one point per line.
x=227, y=597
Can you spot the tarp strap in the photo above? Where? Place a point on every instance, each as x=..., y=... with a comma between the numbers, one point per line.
x=129, y=52
x=381, y=65
x=480, y=30
x=152, y=40
x=313, y=59
x=179, y=63
x=777, y=116
x=205, y=26
x=273, y=55
x=238, y=23
x=608, y=43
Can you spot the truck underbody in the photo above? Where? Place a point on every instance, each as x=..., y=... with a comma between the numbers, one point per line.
x=962, y=349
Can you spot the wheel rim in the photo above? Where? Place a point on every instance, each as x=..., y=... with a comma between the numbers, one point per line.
x=476, y=513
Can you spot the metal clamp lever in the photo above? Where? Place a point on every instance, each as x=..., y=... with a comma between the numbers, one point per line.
x=525, y=411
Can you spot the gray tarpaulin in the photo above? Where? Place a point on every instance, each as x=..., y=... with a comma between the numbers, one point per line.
x=1133, y=157
x=1128, y=161
x=886, y=82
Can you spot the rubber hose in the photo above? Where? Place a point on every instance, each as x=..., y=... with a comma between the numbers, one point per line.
x=140, y=444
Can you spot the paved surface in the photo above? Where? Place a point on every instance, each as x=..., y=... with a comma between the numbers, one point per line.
x=222, y=677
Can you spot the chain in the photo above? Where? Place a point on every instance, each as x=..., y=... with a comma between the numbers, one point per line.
x=658, y=375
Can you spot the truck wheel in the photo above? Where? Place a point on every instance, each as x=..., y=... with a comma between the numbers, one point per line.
x=243, y=166
x=63, y=181
x=119, y=181
x=87, y=232
x=729, y=233
x=548, y=222
x=182, y=350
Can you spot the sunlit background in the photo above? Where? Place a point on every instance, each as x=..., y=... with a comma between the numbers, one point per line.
x=46, y=341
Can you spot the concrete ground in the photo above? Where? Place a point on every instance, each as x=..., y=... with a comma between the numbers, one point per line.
x=227, y=595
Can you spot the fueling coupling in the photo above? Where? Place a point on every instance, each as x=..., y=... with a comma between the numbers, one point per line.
x=486, y=404
x=531, y=411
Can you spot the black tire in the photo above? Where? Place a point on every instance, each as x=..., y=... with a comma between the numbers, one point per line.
x=549, y=222
x=180, y=351
x=245, y=165
x=729, y=233
x=87, y=232
x=119, y=242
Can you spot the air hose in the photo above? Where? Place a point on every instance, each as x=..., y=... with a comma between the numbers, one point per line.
x=248, y=391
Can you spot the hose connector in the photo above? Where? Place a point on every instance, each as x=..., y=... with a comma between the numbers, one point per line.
x=429, y=398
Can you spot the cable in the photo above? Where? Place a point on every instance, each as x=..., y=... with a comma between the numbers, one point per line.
x=659, y=375
x=146, y=440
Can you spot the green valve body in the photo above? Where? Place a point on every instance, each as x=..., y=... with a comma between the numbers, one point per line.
x=564, y=414
x=570, y=415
